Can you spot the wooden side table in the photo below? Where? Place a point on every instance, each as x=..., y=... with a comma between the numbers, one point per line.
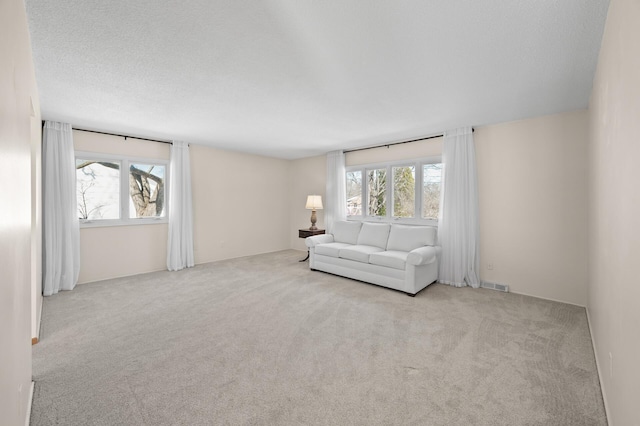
x=304, y=233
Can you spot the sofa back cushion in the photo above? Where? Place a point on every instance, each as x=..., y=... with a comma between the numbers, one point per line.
x=407, y=237
x=374, y=234
x=346, y=232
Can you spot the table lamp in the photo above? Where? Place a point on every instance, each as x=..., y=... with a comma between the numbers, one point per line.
x=314, y=202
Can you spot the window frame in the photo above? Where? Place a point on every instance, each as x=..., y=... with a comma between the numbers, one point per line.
x=418, y=182
x=125, y=161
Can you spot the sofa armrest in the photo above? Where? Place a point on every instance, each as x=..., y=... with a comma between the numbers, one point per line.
x=318, y=239
x=422, y=255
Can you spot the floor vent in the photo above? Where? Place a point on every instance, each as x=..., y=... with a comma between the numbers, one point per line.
x=495, y=286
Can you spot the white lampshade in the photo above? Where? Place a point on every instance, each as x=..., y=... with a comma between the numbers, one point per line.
x=314, y=202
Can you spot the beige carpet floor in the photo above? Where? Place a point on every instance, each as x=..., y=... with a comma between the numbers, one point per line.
x=262, y=340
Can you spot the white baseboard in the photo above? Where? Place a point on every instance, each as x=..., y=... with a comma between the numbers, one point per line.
x=547, y=298
x=28, y=419
x=598, y=367
x=39, y=318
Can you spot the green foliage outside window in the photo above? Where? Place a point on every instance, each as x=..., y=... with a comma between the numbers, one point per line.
x=404, y=191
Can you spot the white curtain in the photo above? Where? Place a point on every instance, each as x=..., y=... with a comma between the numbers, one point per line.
x=336, y=202
x=180, y=243
x=459, y=226
x=60, y=225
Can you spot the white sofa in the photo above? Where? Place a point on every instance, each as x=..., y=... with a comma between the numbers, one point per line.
x=401, y=257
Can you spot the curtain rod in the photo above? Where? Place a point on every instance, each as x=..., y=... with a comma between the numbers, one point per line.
x=397, y=143
x=122, y=136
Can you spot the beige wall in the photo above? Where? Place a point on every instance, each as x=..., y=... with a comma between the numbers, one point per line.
x=308, y=176
x=241, y=204
x=532, y=184
x=116, y=251
x=240, y=201
x=17, y=86
x=119, y=251
x=614, y=212
x=533, y=199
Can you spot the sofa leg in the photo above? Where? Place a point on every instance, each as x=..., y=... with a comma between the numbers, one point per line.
x=410, y=295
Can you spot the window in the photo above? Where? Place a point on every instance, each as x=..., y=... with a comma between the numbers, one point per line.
x=354, y=193
x=146, y=190
x=377, y=192
x=98, y=189
x=411, y=195
x=431, y=180
x=107, y=196
x=404, y=191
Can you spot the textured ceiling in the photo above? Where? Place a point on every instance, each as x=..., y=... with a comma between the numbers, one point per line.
x=294, y=78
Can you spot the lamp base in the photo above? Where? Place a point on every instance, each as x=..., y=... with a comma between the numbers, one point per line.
x=314, y=219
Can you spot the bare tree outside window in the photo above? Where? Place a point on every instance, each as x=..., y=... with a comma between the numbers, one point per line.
x=98, y=189
x=377, y=190
x=146, y=189
x=407, y=192
x=354, y=193
x=431, y=183
x=85, y=207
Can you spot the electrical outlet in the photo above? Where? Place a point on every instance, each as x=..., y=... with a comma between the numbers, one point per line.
x=490, y=266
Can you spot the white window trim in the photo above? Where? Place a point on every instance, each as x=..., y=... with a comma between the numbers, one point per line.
x=125, y=161
x=417, y=163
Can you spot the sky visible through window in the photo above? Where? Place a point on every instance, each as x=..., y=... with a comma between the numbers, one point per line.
x=98, y=189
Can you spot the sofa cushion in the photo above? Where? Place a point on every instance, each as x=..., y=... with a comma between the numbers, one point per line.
x=330, y=249
x=391, y=259
x=407, y=237
x=358, y=253
x=346, y=232
x=374, y=234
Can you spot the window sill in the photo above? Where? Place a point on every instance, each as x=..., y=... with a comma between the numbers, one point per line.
x=402, y=221
x=133, y=222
